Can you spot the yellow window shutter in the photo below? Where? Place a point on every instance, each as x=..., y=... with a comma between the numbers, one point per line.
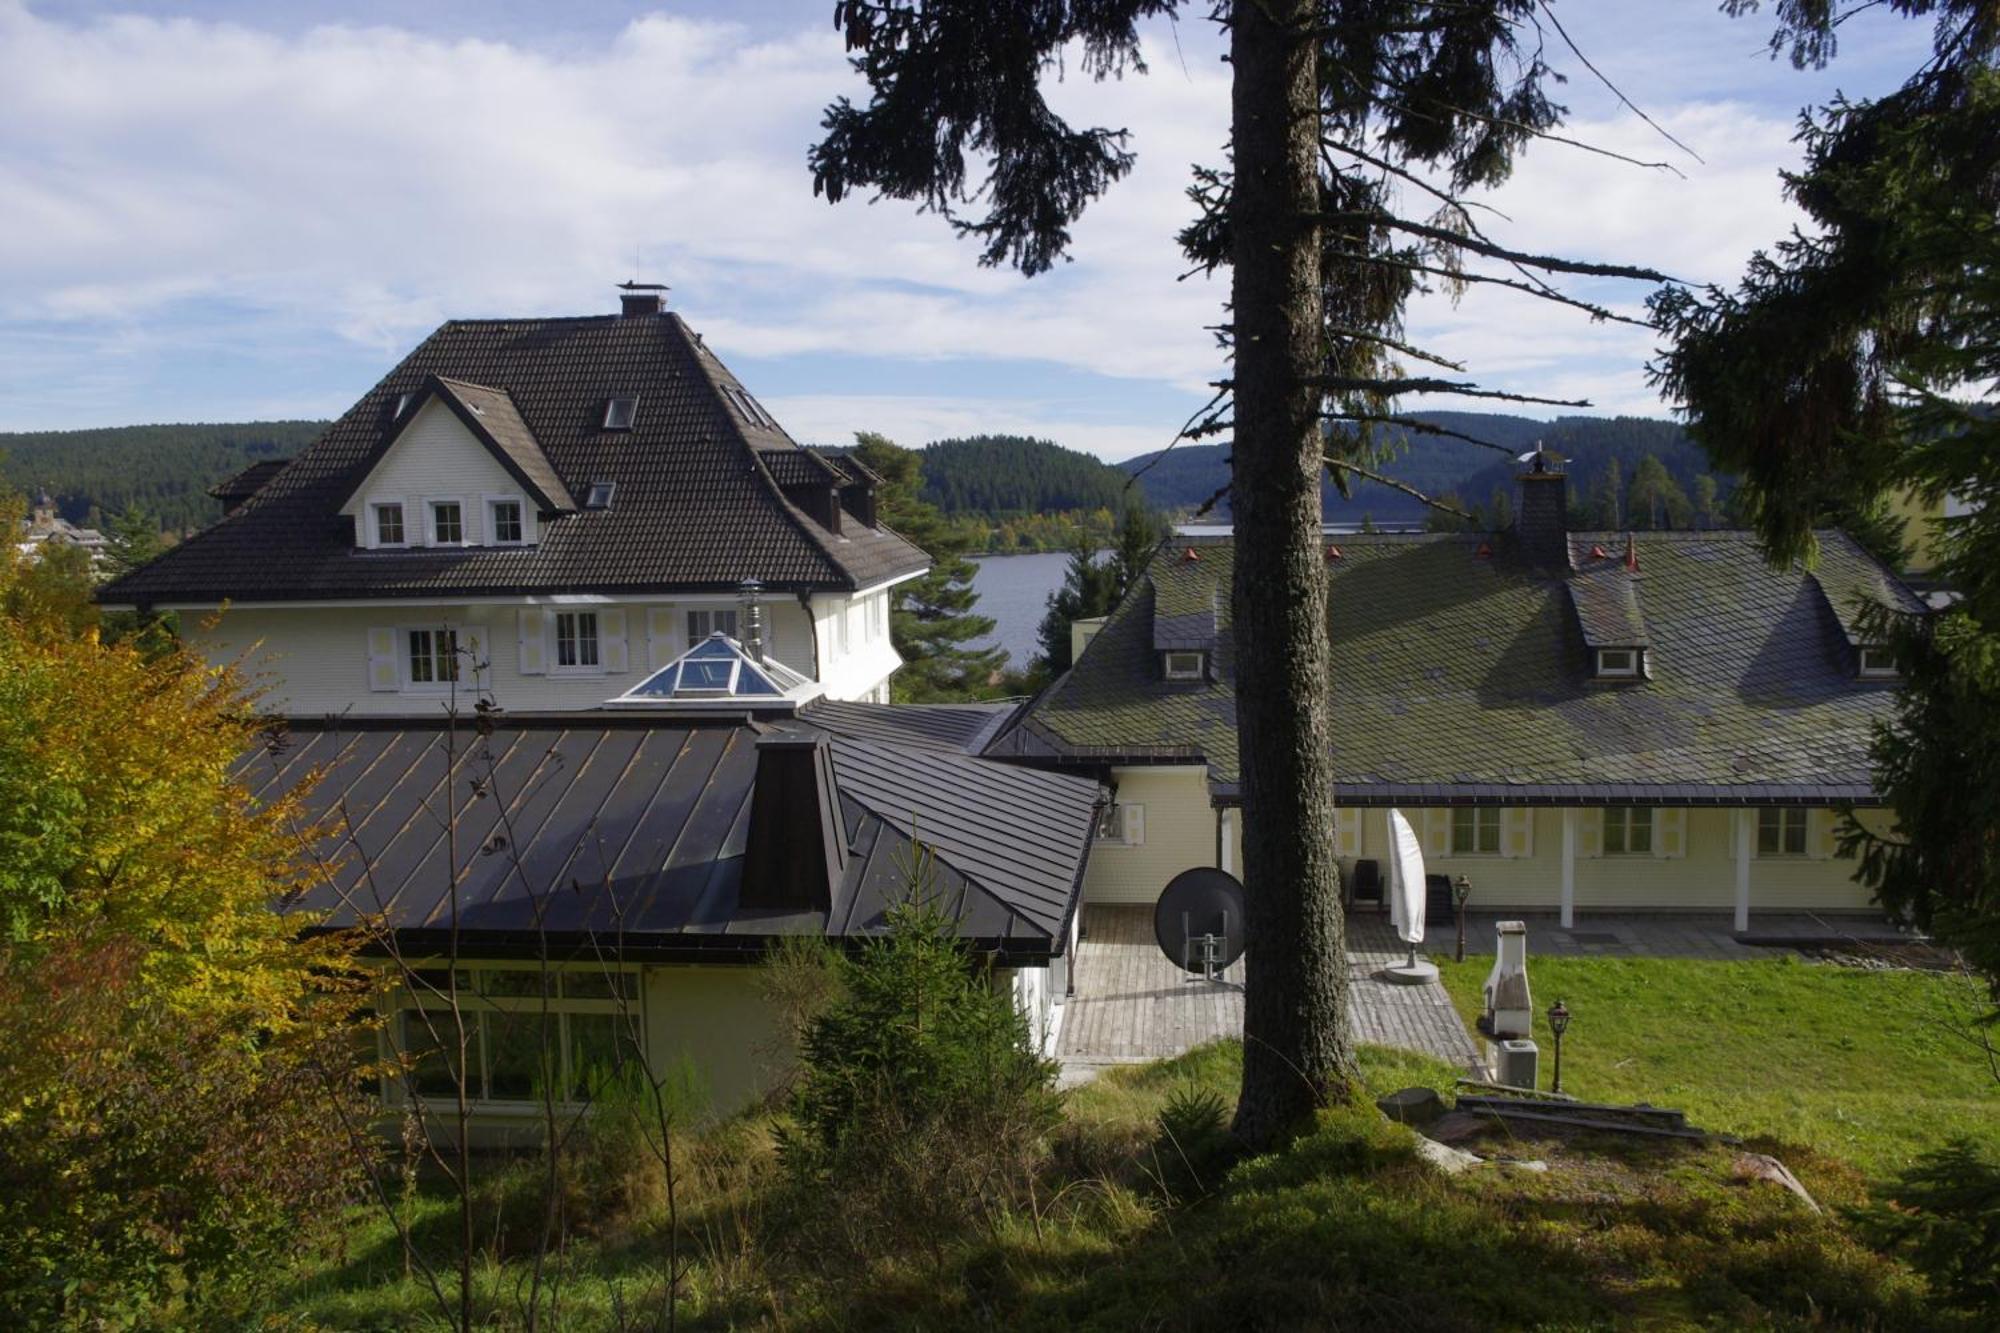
x=1347, y=833
x=1436, y=824
x=1669, y=832
x=662, y=637
x=383, y=672
x=534, y=659
x=1590, y=833
x=1823, y=834
x=611, y=638
x=1134, y=817
x=1517, y=832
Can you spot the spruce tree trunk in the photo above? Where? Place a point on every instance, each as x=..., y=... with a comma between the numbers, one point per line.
x=1295, y=1047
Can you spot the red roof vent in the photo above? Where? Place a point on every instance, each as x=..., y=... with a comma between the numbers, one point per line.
x=1188, y=555
x=1332, y=552
x=1597, y=552
x=1631, y=554
x=1485, y=551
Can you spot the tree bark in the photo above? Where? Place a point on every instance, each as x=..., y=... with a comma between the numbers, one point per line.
x=1295, y=1047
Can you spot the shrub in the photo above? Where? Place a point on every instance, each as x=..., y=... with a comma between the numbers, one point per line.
x=921, y=1102
x=1943, y=1214
x=1192, y=1146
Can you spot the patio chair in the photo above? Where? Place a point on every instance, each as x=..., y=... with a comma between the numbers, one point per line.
x=1439, y=906
x=1366, y=886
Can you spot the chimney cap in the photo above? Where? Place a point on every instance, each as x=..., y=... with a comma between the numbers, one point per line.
x=641, y=298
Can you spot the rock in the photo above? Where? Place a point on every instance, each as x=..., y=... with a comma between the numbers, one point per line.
x=1457, y=1126
x=1412, y=1106
x=1447, y=1159
x=1758, y=1166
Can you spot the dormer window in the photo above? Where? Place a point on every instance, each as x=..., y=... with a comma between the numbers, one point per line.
x=1618, y=663
x=599, y=495
x=1184, y=665
x=504, y=522
x=1877, y=663
x=389, y=525
x=403, y=402
x=447, y=523
x=620, y=413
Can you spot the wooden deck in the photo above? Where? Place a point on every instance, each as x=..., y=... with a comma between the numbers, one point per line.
x=1131, y=1004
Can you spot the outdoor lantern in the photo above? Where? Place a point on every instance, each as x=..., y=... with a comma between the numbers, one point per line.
x=1558, y=1022
x=1461, y=889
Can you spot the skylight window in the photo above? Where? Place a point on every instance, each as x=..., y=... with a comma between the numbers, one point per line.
x=1877, y=663
x=717, y=669
x=1618, y=662
x=599, y=495
x=620, y=413
x=403, y=402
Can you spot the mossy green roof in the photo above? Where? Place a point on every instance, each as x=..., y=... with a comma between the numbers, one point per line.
x=1460, y=673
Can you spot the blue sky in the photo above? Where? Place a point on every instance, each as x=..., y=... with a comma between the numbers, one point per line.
x=223, y=211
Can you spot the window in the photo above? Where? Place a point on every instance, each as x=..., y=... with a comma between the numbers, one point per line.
x=620, y=413
x=1628, y=831
x=403, y=401
x=529, y=1033
x=1122, y=823
x=1781, y=831
x=599, y=495
x=701, y=624
x=389, y=525
x=576, y=639
x=433, y=657
x=1877, y=662
x=1184, y=666
x=505, y=522
x=447, y=523
x=1475, y=830
x=1617, y=661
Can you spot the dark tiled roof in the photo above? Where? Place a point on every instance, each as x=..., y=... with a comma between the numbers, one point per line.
x=1457, y=677
x=242, y=485
x=692, y=509
x=636, y=831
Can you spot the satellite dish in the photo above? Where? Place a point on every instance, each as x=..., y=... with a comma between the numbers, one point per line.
x=1199, y=920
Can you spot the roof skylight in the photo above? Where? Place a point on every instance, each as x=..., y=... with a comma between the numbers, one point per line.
x=620, y=413
x=717, y=668
x=599, y=495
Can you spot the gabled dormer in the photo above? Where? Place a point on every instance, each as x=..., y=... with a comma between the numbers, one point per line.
x=456, y=467
x=1185, y=606
x=1604, y=595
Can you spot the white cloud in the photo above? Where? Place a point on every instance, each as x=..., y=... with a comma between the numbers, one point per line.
x=372, y=182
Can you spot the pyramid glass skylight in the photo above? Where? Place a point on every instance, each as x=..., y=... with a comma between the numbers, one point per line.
x=718, y=669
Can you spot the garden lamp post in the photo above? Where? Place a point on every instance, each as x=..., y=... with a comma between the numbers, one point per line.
x=1558, y=1022
x=1461, y=889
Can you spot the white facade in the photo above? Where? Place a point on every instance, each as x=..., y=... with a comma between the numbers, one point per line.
x=436, y=462
x=370, y=658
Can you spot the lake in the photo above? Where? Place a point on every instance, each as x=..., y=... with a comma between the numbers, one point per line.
x=1014, y=590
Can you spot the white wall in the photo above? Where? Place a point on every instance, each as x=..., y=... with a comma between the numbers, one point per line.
x=856, y=655
x=716, y=1022
x=437, y=458
x=1179, y=832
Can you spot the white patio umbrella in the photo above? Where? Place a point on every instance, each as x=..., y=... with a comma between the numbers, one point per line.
x=1407, y=892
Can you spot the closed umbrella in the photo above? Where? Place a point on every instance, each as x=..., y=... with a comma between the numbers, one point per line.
x=1407, y=891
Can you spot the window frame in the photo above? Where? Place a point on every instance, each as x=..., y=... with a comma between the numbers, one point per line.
x=710, y=615
x=1200, y=671
x=631, y=413
x=1478, y=822
x=599, y=494
x=1634, y=663
x=1622, y=821
x=578, y=639
x=1883, y=669
x=494, y=504
x=1781, y=822
x=434, y=530
x=375, y=509
x=483, y=1003
x=406, y=658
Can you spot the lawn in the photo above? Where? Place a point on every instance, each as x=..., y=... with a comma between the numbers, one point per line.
x=1871, y=1067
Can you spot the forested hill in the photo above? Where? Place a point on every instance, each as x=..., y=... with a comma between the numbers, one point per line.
x=998, y=475
x=1188, y=475
x=166, y=470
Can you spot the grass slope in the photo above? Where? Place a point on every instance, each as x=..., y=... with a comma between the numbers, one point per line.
x=1346, y=1228
x=1870, y=1067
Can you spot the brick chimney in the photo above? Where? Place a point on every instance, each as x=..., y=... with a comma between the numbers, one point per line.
x=637, y=299
x=1543, y=524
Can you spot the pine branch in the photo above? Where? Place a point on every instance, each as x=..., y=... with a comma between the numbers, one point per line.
x=1542, y=291
x=1394, y=485
x=1480, y=245
x=1617, y=92
x=1418, y=425
x=1391, y=387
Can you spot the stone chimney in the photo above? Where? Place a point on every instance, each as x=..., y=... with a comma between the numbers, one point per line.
x=1543, y=523
x=796, y=855
x=637, y=299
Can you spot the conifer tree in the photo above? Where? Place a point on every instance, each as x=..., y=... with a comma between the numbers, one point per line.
x=1356, y=131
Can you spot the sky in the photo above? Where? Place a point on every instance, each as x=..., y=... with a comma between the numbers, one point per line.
x=226, y=211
